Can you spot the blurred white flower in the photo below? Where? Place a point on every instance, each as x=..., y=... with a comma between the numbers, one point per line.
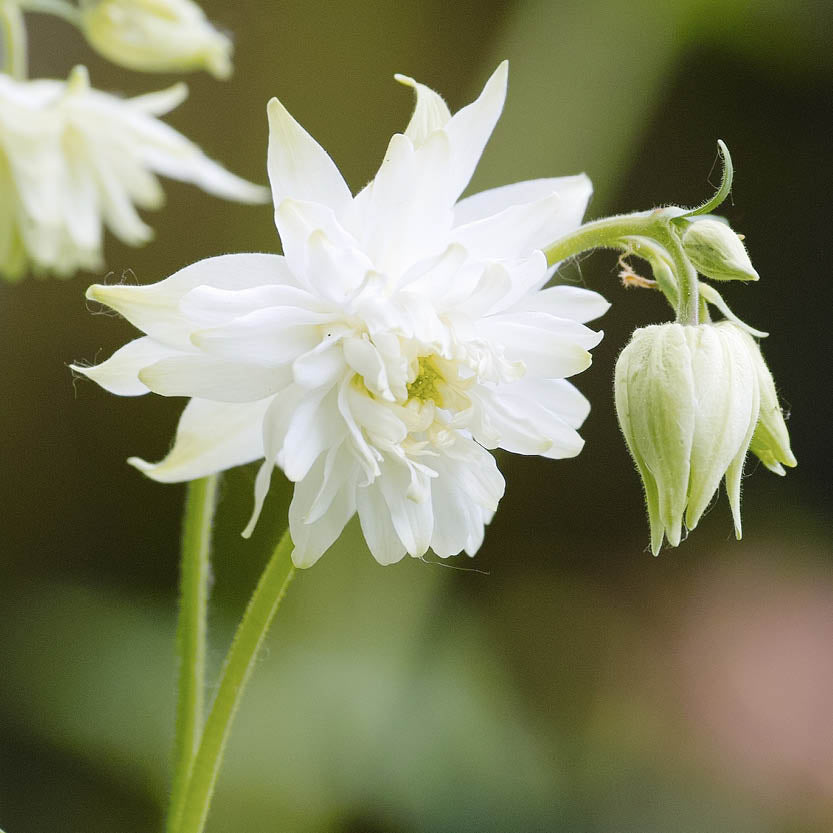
x=401, y=335
x=156, y=35
x=73, y=159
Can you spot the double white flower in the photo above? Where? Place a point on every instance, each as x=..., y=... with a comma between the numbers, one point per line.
x=73, y=159
x=401, y=335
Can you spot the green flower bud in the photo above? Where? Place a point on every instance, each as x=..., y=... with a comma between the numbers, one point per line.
x=771, y=440
x=717, y=252
x=687, y=400
x=156, y=35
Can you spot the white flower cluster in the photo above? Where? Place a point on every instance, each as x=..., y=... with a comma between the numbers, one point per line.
x=74, y=160
x=400, y=336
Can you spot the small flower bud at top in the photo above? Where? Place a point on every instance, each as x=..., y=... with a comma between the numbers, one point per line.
x=156, y=35
x=771, y=440
x=687, y=400
x=717, y=252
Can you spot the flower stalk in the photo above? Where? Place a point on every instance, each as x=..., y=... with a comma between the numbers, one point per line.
x=191, y=627
x=13, y=40
x=190, y=816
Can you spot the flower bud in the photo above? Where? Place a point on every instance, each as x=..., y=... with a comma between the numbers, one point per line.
x=771, y=440
x=687, y=400
x=156, y=35
x=717, y=252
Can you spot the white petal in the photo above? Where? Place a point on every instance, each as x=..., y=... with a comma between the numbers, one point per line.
x=517, y=418
x=155, y=308
x=297, y=222
x=313, y=538
x=408, y=213
x=275, y=335
x=206, y=377
x=315, y=426
x=470, y=128
x=571, y=302
x=209, y=306
x=574, y=193
x=519, y=230
x=550, y=347
x=381, y=537
x=321, y=367
x=431, y=112
x=412, y=519
x=211, y=437
x=298, y=166
x=120, y=373
x=460, y=493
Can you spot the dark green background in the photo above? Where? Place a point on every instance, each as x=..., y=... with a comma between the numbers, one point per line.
x=571, y=682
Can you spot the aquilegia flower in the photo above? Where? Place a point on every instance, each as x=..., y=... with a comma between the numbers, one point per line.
x=156, y=35
x=73, y=159
x=401, y=334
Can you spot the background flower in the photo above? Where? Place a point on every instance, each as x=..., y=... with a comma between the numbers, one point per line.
x=74, y=159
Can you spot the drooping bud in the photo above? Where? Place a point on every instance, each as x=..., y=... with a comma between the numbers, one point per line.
x=156, y=35
x=687, y=400
x=717, y=252
x=771, y=440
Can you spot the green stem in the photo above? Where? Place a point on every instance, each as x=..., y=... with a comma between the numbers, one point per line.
x=236, y=672
x=689, y=301
x=605, y=234
x=14, y=40
x=195, y=576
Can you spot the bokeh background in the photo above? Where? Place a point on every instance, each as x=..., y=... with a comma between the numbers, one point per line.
x=564, y=680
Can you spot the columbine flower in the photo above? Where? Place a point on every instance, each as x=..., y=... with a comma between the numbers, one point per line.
x=400, y=336
x=688, y=401
x=73, y=158
x=156, y=35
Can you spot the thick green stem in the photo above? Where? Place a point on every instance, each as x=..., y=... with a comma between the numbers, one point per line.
x=236, y=672
x=195, y=576
x=14, y=40
x=604, y=234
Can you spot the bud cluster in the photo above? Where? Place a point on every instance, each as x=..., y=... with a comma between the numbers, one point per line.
x=691, y=401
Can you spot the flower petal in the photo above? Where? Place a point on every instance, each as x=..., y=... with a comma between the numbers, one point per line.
x=155, y=308
x=211, y=437
x=120, y=373
x=312, y=538
x=431, y=112
x=299, y=167
x=206, y=377
x=571, y=302
x=377, y=527
x=470, y=128
x=550, y=347
x=574, y=193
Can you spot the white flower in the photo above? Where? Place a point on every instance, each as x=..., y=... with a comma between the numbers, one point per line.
x=73, y=159
x=156, y=35
x=400, y=336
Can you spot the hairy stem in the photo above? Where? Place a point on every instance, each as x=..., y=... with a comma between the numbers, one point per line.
x=195, y=575
x=240, y=660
